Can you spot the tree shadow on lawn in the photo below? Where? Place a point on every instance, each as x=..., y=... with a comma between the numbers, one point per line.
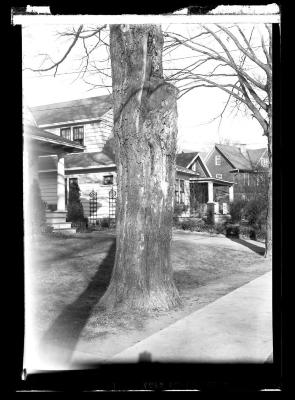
x=63, y=251
x=257, y=249
x=60, y=340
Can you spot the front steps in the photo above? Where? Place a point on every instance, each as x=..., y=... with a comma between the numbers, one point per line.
x=57, y=220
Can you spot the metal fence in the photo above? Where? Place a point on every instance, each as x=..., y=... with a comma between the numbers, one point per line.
x=112, y=206
x=92, y=208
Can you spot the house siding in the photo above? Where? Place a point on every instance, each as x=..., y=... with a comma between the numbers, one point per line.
x=94, y=181
x=48, y=187
x=223, y=168
x=197, y=167
x=95, y=133
x=87, y=182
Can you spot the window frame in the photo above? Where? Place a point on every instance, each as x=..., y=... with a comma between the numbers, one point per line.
x=177, y=192
x=217, y=157
x=67, y=128
x=79, y=140
x=108, y=176
x=181, y=191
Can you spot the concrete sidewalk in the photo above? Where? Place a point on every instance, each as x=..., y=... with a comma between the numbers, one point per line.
x=235, y=328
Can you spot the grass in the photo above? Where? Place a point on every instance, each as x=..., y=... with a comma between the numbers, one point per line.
x=70, y=274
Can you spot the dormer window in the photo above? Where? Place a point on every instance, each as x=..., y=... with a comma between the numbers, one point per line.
x=65, y=133
x=264, y=162
x=78, y=134
x=217, y=160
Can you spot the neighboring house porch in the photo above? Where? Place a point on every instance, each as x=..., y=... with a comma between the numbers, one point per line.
x=39, y=143
x=211, y=194
x=205, y=192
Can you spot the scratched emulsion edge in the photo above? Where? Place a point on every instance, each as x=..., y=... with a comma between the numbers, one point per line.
x=270, y=13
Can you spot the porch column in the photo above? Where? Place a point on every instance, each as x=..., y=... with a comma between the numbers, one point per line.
x=231, y=193
x=210, y=192
x=61, y=201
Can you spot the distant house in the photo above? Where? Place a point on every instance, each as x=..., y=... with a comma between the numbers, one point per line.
x=245, y=167
x=205, y=188
x=88, y=122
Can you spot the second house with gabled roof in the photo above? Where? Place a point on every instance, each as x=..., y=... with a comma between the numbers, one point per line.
x=247, y=168
x=205, y=188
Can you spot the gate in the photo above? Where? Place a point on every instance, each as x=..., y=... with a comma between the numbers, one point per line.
x=112, y=206
x=92, y=207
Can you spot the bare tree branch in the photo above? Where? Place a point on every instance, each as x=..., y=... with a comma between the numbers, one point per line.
x=56, y=65
x=252, y=57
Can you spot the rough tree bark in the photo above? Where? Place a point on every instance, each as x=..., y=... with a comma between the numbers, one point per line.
x=145, y=129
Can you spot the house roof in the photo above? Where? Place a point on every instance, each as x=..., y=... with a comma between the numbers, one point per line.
x=35, y=133
x=235, y=157
x=186, y=171
x=75, y=110
x=78, y=161
x=255, y=155
x=183, y=159
x=90, y=160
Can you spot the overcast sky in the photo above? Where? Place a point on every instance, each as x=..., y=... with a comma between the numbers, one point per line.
x=195, y=109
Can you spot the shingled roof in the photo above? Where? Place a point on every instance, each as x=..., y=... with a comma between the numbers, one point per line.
x=235, y=157
x=78, y=161
x=75, y=110
x=255, y=155
x=35, y=133
x=183, y=159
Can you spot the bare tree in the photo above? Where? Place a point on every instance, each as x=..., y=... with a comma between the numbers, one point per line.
x=237, y=61
x=145, y=130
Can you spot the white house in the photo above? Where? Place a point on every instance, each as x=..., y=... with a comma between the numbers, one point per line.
x=88, y=122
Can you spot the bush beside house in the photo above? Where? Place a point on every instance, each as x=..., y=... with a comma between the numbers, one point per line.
x=75, y=212
x=37, y=218
x=249, y=217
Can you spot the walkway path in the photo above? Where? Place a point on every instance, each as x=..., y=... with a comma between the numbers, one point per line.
x=235, y=328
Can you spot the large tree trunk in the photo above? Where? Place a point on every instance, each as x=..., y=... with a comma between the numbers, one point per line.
x=145, y=129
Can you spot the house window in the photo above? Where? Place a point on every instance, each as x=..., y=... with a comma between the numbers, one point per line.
x=108, y=180
x=68, y=185
x=217, y=160
x=219, y=176
x=78, y=134
x=65, y=133
x=181, y=190
x=264, y=162
x=177, y=191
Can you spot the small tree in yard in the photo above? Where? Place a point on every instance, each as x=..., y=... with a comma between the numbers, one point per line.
x=237, y=210
x=75, y=208
x=255, y=213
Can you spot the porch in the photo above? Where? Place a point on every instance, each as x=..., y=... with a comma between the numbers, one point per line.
x=211, y=195
x=39, y=143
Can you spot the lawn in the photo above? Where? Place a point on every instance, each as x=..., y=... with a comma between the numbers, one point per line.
x=70, y=274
